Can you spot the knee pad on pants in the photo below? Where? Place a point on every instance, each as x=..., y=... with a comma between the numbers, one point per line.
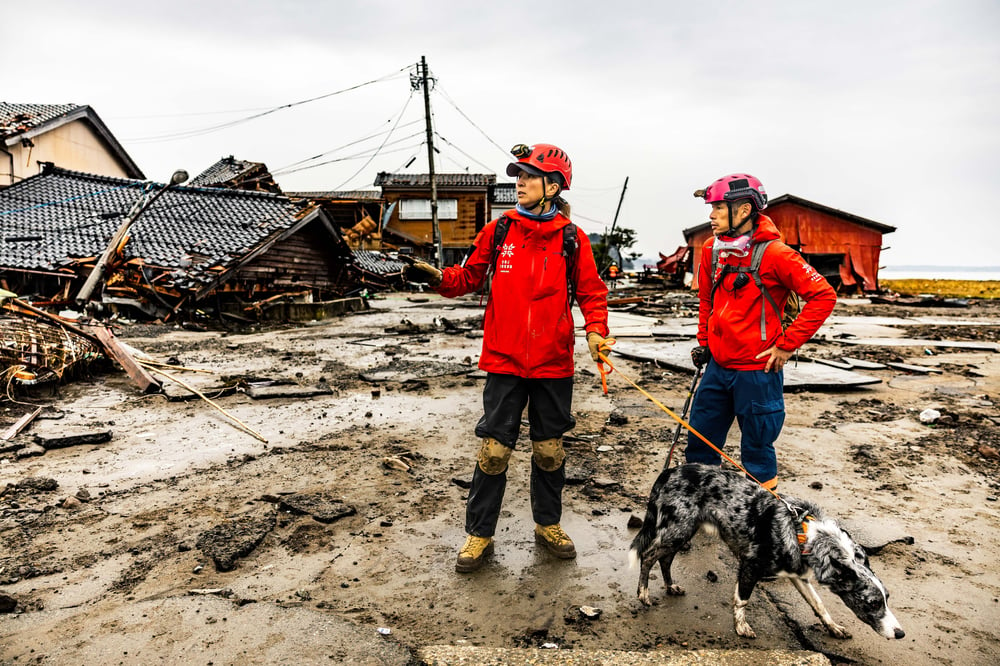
x=548, y=454
x=493, y=456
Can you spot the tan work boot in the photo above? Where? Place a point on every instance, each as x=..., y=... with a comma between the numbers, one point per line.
x=475, y=550
x=556, y=540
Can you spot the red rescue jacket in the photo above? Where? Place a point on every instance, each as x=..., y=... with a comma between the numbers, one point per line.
x=729, y=323
x=528, y=326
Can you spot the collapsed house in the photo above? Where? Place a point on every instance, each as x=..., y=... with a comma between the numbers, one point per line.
x=225, y=251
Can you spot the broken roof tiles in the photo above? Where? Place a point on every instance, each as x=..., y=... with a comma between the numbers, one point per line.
x=48, y=220
x=225, y=170
x=19, y=118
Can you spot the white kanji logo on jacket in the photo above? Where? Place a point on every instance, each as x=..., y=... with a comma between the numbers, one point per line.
x=506, y=262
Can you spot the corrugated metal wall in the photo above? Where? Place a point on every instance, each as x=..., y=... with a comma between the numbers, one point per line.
x=815, y=232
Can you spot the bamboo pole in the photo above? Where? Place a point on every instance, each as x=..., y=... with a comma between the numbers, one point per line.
x=204, y=397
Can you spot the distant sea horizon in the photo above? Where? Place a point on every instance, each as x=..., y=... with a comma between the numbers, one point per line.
x=902, y=271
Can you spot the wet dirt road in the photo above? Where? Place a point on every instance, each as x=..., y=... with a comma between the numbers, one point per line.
x=118, y=577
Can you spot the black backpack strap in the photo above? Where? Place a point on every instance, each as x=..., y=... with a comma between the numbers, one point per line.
x=499, y=234
x=753, y=270
x=571, y=250
x=755, y=259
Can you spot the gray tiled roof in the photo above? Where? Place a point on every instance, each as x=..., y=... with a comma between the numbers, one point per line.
x=223, y=171
x=504, y=194
x=377, y=262
x=385, y=178
x=349, y=195
x=49, y=219
x=17, y=118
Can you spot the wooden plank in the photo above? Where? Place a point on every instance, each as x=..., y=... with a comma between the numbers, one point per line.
x=286, y=391
x=145, y=381
x=21, y=424
x=73, y=438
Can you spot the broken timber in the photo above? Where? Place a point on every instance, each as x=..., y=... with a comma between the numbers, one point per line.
x=21, y=424
x=145, y=381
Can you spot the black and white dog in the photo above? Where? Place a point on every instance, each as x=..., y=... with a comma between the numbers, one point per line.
x=769, y=536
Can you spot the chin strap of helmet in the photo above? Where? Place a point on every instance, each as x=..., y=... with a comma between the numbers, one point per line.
x=731, y=231
x=540, y=204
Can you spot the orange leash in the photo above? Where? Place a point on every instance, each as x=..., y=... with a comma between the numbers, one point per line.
x=604, y=373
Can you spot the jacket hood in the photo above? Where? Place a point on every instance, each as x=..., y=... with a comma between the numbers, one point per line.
x=766, y=230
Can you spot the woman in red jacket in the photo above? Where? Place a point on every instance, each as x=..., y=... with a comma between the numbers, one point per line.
x=740, y=332
x=527, y=343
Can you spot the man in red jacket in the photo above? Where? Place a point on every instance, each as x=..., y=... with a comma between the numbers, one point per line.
x=527, y=343
x=742, y=342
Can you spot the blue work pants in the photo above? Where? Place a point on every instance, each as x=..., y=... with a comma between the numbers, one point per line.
x=756, y=400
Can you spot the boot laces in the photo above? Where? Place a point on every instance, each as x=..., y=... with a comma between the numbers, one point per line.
x=474, y=546
x=555, y=534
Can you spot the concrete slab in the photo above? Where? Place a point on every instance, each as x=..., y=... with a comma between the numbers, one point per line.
x=800, y=375
x=862, y=364
x=918, y=342
x=909, y=367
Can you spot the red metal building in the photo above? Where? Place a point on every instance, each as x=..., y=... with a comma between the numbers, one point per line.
x=844, y=248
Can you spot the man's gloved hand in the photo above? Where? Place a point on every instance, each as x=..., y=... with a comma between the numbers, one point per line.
x=700, y=356
x=420, y=271
x=599, y=344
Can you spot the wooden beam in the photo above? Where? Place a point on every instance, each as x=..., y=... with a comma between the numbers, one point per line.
x=145, y=381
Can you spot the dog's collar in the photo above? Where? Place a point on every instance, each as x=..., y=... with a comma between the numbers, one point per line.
x=802, y=536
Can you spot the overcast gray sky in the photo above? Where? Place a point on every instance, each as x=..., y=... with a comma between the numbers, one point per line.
x=887, y=110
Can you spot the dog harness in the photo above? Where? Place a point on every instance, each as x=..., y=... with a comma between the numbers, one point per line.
x=801, y=535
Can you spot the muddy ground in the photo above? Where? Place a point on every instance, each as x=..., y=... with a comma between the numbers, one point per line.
x=185, y=539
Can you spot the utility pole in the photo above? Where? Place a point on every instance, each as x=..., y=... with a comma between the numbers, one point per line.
x=611, y=235
x=436, y=229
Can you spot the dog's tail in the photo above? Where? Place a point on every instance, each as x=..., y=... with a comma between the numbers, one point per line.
x=647, y=533
x=642, y=540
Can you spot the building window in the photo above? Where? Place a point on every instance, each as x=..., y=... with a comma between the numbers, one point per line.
x=420, y=209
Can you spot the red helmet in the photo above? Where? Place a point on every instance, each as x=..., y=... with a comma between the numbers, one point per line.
x=542, y=159
x=734, y=187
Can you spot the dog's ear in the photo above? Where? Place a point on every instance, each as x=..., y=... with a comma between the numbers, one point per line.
x=834, y=565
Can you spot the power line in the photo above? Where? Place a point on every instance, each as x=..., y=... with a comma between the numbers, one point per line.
x=377, y=150
x=186, y=134
x=448, y=99
x=360, y=155
x=285, y=168
x=462, y=151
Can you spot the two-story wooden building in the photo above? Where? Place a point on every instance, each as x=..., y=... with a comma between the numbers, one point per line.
x=463, y=210
x=67, y=135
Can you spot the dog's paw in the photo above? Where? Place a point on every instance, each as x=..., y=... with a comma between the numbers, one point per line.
x=643, y=595
x=675, y=590
x=744, y=629
x=838, y=631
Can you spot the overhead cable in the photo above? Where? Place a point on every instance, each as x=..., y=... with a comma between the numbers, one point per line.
x=233, y=123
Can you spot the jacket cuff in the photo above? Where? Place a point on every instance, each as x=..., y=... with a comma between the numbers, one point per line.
x=600, y=329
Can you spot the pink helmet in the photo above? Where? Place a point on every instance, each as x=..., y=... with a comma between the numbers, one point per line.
x=542, y=159
x=734, y=187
